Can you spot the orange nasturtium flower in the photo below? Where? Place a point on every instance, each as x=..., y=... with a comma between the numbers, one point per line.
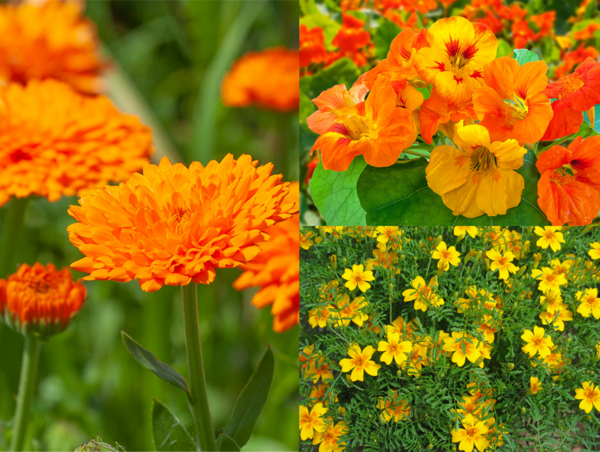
x=473, y=434
x=55, y=142
x=360, y=362
x=312, y=45
x=537, y=342
x=40, y=299
x=358, y=277
x=575, y=93
x=375, y=129
x=589, y=396
x=331, y=104
x=268, y=79
x=513, y=104
x=535, y=385
x=310, y=421
x=49, y=39
x=454, y=61
x=478, y=177
x=276, y=270
x=174, y=225
x=569, y=186
x=351, y=38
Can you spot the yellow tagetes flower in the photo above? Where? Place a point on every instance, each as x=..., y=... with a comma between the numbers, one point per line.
x=360, y=362
x=460, y=231
x=589, y=303
x=319, y=369
x=423, y=294
x=318, y=316
x=549, y=281
x=589, y=396
x=502, y=263
x=595, y=251
x=549, y=237
x=537, y=342
x=557, y=316
x=477, y=177
x=358, y=277
x=394, y=349
x=446, y=256
x=463, y=346
x=393, y=408
x=345, y=311
x=473, y=434
x=387, y=232
x=329, y=438
x=310, y=421
x=535, y=385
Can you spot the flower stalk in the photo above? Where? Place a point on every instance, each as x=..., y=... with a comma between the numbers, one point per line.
x=10, y=236
x=29, y=367
x=198, y=398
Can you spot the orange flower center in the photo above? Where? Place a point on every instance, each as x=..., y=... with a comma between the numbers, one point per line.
x=482, y=159
x=517, y=108
x=358, y=278
x=359, y=361
x=357, y=126
x=538, y=341
x=563, y=175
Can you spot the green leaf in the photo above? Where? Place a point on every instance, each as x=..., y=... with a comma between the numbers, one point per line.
x=330, y=27
x=225, y=443
x=596, y=120
x=334, y=193
x=151, y=362
x=167, y=432
x=399, y=195
x=383, y=37
x=307, y=108
x=504, y=48
x=342, y=71
x=251, y=401
x=525, y=56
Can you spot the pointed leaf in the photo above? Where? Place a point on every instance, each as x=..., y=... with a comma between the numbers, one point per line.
x=151, y=362
x=525, y=56
x=251, y=401
x=334, y=194
x=226, y=444
x=167, y=432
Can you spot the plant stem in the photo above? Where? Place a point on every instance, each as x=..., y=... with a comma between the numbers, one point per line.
x=10, y=236
x=198, y=399
x=417, y=153
x=31, y=354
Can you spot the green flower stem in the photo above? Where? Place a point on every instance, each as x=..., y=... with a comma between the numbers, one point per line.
x=198, y=399
x=10, y=235
x=416, y=152
x=31, y=354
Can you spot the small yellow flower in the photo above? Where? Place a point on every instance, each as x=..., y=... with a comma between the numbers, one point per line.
x=549, y=237
x=473, y=434
x=345, y=311
x=589, y=396
x=535, y=385
x=537, y=342
x=360, y=362
x=329, y=438
x=502, y=263
x=394, y=349
x=598, y=348
x=446, y=256
x=393, y=408
x=462, y=346
x=311, y=421
x=387, y=232
x=423, y=294
x=358, y=277
x=557, y=316
x=595, y=251
x=318, y=316
x=589, y=303
x=460, y=231
x=549, y=281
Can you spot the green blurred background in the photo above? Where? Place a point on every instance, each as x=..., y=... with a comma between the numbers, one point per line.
x=168, y=59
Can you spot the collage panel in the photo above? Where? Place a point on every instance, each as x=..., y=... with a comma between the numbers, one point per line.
x=449, y=338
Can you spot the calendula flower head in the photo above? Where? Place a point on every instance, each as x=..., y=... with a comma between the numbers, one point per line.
x=55, y=142
x=175, y=225
x=360, y=362
x=446, y=256
x=568, y=189
x=267, y=79
x=502, y=263
x=276, y=270
x=463, y=346
x=394, y=349
x=473, y=434
x=537, y=342
x=40, y=300
x=589, y=396
x=513, y=103
x=310, y=421
x=549, y=237
x=329, y=439
x=50, y=39
x=595, y=251
x=589, y=303
x=358, y=277
x=454, y=60
x=423, y=294
x=392, y=408
x=549, y=280
x=477, y=177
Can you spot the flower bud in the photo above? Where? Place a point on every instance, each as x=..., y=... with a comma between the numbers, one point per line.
x=329, y=322
x=529, y=229
x=469, y=256
x=391, y=287
x=96, y=445
x=521, y=271
x=537, y=257
x=401, y=257
x=333, y=259
x=322, y=233
x=430, y=446
x=523, y=411
x=510, y=367
x=596, y=358
x=478, y=256
x=348, y=379
x=344, y=261
x=399, y=373
x=438, y=240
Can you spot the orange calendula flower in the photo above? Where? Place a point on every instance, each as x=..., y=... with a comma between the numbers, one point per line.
x=589, y=396
x=50, y=39
x=358, y=277
x=575, y=93
x=423, y=294
x=375, y=129
x=331, y=104
x=569, y=186
x=479, y=176
x=310, y=421
x=268, y=79
x=473, y=434
x=329, y=439
x=463, y=346
x=550, y=281
x=55, y=142
x=174, y=225
x=513, y=104
x=393, y=349
x=454, y=61
x=446, y=256
x=312, y=45
x=537, y=342
x=502, y=263
x=276, y=270
x=589, y=303
x=40, y=299
x=535, y=385
x=549, y=237
x=360, y=362
x=393, y=408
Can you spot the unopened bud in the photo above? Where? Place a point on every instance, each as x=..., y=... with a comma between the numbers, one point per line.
x=438, y=240
x=391, y=288
x=333, y=259
x=329, y=323
x=344, y=260
x=478, y=362
x=596, y=358
x=523, y=410
x=545, y=305
x=537, y=257
x=477, y=256
x=510, y=366
x=399, y=373
x=348, y=378
x=322, y=233
x=521, y=271
x=96, y=445
x=529, y=229
x=469, y=256
x=401, y=257
x=430, y=446
x=421, y=244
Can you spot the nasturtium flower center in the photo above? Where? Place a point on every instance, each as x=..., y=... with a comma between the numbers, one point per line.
x=482, y=159
x=518, y=108
x=359, y=127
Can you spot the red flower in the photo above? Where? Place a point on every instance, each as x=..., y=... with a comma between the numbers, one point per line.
x=312, y=45
x=351, y=38
x=569, y=189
